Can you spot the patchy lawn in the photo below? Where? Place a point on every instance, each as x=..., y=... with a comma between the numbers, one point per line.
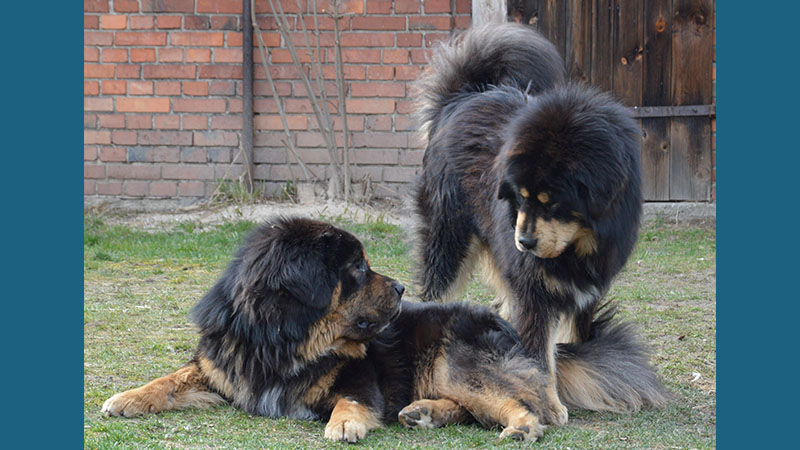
x=139, y=286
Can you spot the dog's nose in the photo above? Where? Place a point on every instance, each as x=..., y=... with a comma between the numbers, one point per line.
x=399, y=288
x=528, y=242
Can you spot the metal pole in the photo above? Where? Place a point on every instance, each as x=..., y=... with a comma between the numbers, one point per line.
x=247, y=101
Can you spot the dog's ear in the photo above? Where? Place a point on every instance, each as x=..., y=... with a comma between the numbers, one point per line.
x=506, y=191
x=308, y=279
x=601, y=192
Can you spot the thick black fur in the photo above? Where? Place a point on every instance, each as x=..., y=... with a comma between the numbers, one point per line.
x=499, y=127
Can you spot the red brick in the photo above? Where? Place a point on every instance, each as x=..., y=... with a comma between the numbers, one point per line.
x=109, y=188
x=195, y=122
x=224, y=6
x=96, y=137
x=194, y=155
x=221, y=72
x=91, y=54
x=142, y=22
x=134, y=171
x=429, y=23
x=198, y=105
x=112, y=154
x=233, y=55
x=95, y=5
x=380, y=140
x=163, y=188
x=191, y=189
x=350, y=72
x=273, y=122
x=226, y=88
x=225, y=23
x=113, y=22
x=420, y=56
x=135, y=188
x=140, y=88
x=89, y=120
x=111, y=120
x=140, y=38
x=411, y=157
x=379, y=23
x=101, y=38
x=98, y=104
x=139, y=121
x=115, y=55
x=168, y=6
x=350, y=56
x=123, y=137
x=463, y=6
x=167, y=122
x=170, y=55
x=196, y=23
x=142, y=104
x=376, y=156
x=126, y=6
x=165, y=138
x=367, y=40
x=114, y=87
x=91, y=88
x=406, y=6
x=195, y=88
x=128, y=70
x=168, y=22
x=187, y=172
x=199, y=55
x=380, y=73
x=154, y=154
x=94, y=171
x=409, y=40
x=98, y=71
x=437, y=6
x=379, y=7
x=371, y=106
x=89, y=153
x=232, y=122
x=378, y=89
x=168, y=88
x=216, y=138
x=89, y=187
x=169, y=71
x=143, y=55
x=379, y=123
x=197, y=39
x=407, y=72
x=91, y=22
x=399, y=174
x=431, y=39
x=462, y=22
x=404, y=123
x=395, y=56
x=406, y=107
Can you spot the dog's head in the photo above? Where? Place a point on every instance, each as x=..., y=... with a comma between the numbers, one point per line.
x=302, y=283
x=570, y=154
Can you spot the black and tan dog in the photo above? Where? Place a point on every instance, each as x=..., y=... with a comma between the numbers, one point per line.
x=540, y=178
x=300, y=326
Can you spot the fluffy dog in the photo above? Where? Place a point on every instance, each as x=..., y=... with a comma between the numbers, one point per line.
x=299, y=326
x=540, y=178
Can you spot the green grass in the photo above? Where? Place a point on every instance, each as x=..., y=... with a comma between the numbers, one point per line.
x=140, y=285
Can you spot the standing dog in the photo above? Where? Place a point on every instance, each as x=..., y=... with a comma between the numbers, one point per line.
x=300, y=326
x=541, y=179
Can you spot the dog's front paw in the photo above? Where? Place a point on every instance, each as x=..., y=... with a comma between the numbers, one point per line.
x=132, y=403
x=555, y=413
x=347, y=430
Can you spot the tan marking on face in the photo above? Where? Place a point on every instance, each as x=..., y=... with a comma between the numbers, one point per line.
x=553, y=237
x=585, y=242
x=543, y=197
x=524, y=193
x=518, y=229
x=350, y=421
x=324, y=336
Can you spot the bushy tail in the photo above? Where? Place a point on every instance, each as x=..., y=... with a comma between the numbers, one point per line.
x=609, y=371
x=491, y=55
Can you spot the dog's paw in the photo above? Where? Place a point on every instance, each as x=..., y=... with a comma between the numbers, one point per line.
x=556, y=413
x=347, y=430
x=522, y=433
x=131, y=404
x=417, y=415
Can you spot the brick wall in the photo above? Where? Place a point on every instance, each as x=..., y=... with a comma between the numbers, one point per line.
x=163, y=93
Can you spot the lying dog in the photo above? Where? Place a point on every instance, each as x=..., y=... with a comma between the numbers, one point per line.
x=300, y=326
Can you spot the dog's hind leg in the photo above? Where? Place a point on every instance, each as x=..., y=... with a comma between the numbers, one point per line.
x=185, y=388
x=448, y=248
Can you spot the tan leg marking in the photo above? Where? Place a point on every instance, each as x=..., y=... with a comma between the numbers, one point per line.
x=186, y=388
x=350, y=421
x=427, y=413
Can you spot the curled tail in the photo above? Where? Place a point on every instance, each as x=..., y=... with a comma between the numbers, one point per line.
x=610, y=371
x=492, y=55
